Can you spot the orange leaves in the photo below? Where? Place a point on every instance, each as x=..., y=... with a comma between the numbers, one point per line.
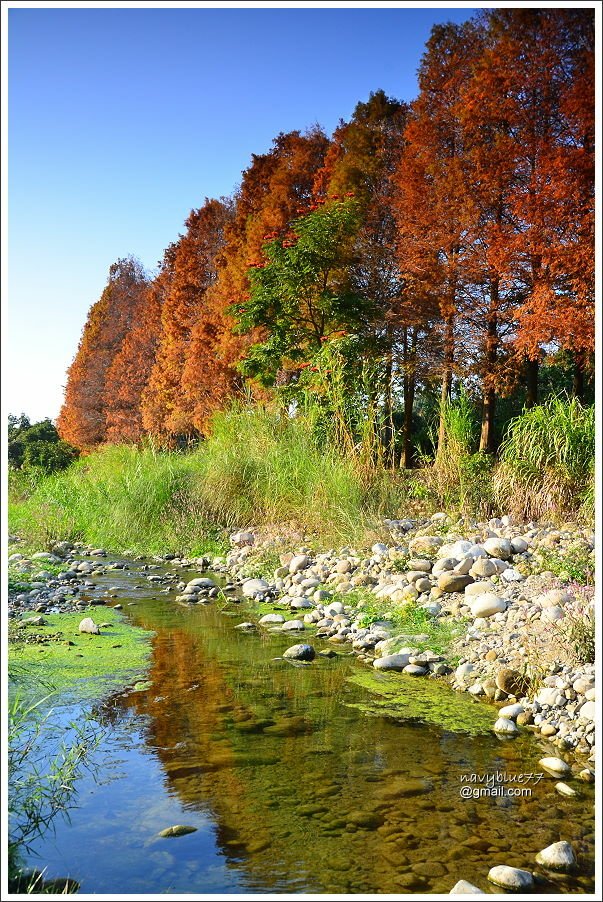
x=90, y=391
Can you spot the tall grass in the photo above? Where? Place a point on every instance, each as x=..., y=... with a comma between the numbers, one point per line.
x=547, y=461
x=122, y=497
x=46, y=757
x=262, y=466
x=460, y=476
x=259, y=467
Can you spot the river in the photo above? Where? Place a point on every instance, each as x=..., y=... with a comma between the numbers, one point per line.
x=293, y=785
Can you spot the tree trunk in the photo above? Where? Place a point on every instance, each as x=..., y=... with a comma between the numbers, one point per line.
x=531, y=373
x=486, y=442
x=409, y=400
x=578, y=382
x=388, y=429
x=446, y=380
x=409, y=386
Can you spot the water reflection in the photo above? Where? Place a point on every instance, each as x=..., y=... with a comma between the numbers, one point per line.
x=307, y=794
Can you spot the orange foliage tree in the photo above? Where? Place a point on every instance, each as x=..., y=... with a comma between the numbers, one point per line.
x=194, y=258
x=274, y=190
x=434, y=208
x=83, y=418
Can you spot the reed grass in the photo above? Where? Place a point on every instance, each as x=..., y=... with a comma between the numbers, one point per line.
x=547, y=461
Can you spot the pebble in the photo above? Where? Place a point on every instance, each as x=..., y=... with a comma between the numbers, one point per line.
x=505, y=727
x=564, y=790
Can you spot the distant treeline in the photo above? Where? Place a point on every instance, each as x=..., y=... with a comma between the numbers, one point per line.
x=422, y=248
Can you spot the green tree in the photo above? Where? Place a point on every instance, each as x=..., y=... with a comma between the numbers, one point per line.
x=301, y=295
x=37, y=445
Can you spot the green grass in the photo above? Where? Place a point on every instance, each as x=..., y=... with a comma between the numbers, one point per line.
x=408, y=619
x=577, y=563
x=263, y=468
x=258, y=468
x=123, y=498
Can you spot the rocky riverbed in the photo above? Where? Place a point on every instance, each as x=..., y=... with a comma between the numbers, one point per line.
x=514, y=624
x=524, y=636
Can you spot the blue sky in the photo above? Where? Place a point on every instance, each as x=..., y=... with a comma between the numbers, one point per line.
x=122, y=120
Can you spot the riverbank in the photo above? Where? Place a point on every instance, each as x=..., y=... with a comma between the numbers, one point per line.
x=502, y=611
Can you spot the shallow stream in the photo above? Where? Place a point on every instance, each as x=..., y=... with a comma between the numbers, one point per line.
x=295, y=781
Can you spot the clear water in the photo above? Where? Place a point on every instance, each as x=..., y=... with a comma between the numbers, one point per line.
x=291, y=787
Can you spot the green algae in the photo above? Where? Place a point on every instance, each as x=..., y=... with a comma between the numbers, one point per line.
x=409, y=698
x=63, y=660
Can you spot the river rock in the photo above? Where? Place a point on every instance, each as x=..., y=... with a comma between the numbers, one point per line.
x=202, y=582
x=300, y=653
x=510, y=681
x=272, y=618
x=177, y=830
x=564, y=790
x=293, y=625
x=504, y=726
x=463, y=672
x=556, y=767
x=246, y=625
x=519, y=545
x=559, y=856
x=552, y=613
x=421, y=564
x=299, y=604
x=448, y=581
x=556, y=598
x=511, y=878
x=487, y=604
x=395, y=662
x=511, y=712
x=548, y=695
x=588, y=711
x=242, y=538
x=463, y=887
x=425, y=545
x=478, y=588
x=511, y=575
x=46, y=556
x=253, y=587
x=87, y=625
x=415, y=670
x=498, y=547
x=483, y=566
x=298, y=562
x=458, y=550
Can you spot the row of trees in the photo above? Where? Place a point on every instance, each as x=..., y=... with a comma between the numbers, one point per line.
x=449, y=241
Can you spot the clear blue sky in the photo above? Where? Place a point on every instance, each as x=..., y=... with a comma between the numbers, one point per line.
x=122, y=120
